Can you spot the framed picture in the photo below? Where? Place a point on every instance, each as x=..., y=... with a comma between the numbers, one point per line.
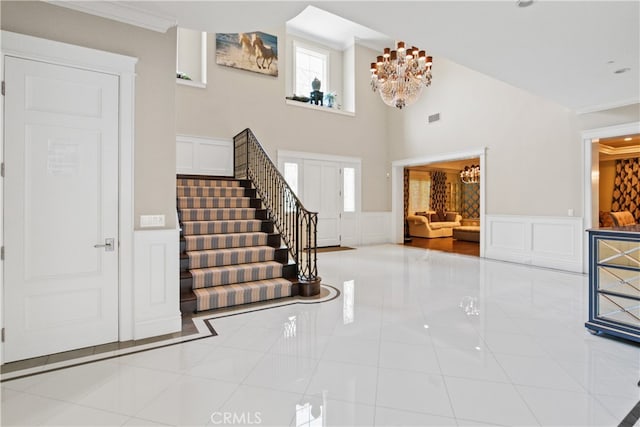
x=256, y=51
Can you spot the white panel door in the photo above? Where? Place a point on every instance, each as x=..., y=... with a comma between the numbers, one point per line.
x=61, y=200
x=322, y=194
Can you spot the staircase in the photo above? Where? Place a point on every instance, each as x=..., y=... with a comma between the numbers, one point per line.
x=230, y=254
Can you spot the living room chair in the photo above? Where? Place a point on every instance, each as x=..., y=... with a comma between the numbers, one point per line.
x=620, y=219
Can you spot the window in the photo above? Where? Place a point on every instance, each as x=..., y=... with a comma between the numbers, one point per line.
x=291, y=175
x=349, y=189
x=191, y=57
x=419, y=189
x=310, y=64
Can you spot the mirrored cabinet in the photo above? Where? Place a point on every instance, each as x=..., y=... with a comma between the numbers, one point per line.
x=614, y=281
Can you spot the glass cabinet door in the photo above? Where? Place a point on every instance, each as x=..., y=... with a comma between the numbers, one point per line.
x=619, y=252
x=619, y=280
x=618, y=309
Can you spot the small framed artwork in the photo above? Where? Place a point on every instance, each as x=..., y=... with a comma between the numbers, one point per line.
x=256, y=51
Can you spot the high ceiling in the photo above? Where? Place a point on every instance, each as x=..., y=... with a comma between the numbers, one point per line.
x=566, y=51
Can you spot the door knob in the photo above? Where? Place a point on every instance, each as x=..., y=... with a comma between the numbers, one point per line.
x=108, y=245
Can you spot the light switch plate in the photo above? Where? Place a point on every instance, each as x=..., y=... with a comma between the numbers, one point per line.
x=151, y=220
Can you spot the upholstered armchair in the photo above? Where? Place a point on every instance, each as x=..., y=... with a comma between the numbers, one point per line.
x=623, y=218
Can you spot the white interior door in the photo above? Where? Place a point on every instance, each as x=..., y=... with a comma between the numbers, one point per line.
x=322, y=194
x=61, y=199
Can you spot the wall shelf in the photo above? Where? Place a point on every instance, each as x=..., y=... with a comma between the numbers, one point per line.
x=319, y=108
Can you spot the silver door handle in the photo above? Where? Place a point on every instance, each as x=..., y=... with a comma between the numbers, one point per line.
x=108, y=245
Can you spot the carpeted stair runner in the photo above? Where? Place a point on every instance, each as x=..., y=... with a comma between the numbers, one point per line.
x=230, y=254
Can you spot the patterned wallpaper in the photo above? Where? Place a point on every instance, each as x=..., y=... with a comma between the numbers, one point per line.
x=438, y=191
x=626, y=187
x=470, y=201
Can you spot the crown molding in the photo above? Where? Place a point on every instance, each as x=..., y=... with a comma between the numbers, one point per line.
x=615, y=153
x=608, y=106
x=117, y=11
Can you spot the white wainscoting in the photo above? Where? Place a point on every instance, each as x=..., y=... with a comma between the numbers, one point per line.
x=204, y=156
x=156, y=283
x=554, y=242
x=375, y=227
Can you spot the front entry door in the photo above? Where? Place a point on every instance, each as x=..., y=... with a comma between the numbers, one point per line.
x=322, y=195
x=61, y=208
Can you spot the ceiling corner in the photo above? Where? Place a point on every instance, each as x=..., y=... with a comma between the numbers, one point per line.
x=121, y=12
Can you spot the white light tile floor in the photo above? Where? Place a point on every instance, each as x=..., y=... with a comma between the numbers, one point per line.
x=416, y=337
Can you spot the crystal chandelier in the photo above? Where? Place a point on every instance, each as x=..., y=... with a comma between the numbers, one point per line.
x=470, y=174
x=399, y=75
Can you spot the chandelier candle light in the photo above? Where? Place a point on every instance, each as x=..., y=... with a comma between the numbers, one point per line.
x=470, y=174
x=399, y=75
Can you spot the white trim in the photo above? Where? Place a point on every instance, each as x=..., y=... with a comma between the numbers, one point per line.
x=127, y=218
x=591, y=180
x=121, y=12
x=203, y=58
x=2, y=205
x=191, y=83
x=607, y=106
x=157, y=278
x=28, y=47
x=397, y=191
x=609, y=131
x=318, y=108
x=316, y=156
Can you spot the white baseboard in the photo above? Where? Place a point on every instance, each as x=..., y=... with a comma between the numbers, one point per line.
x=156, y=283
x=375, y=227
x=553, y=242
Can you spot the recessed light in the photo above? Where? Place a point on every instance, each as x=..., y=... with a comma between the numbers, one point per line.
x=524, y=3
x=627, y=139
x=622, y=70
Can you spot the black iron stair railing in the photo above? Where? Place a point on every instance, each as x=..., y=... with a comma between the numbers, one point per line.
x=297, y=226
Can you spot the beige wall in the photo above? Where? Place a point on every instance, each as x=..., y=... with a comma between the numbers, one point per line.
x=154, y=191
x=533, y=160
x=606, y=177
x=236, y=99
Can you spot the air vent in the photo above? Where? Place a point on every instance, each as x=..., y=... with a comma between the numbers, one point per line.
x=434, y=117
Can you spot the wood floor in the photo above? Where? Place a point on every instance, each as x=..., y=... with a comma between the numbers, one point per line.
x=446, y=244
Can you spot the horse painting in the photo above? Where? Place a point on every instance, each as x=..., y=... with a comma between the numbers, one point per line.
x=247, y=48
x=254, y=51
x=263, y=52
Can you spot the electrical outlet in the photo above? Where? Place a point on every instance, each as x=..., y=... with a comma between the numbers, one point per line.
x=151, y=220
